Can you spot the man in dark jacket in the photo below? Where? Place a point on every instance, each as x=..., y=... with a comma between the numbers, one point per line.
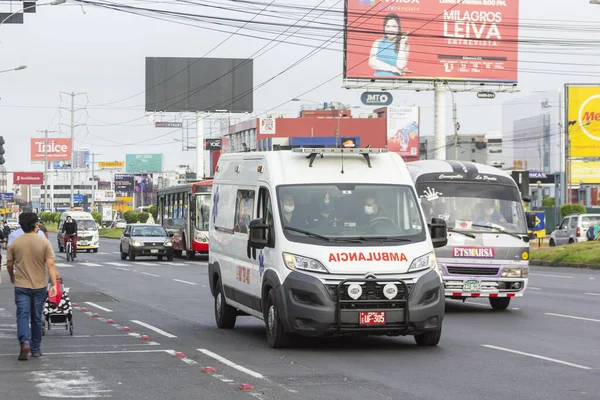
x=70, y=229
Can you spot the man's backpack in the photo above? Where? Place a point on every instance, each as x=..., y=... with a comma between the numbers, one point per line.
x=590, y=233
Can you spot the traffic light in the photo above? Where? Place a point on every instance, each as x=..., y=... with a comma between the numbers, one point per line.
x=2, y=150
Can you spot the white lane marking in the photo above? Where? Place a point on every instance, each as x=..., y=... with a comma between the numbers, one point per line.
x=186, y=360
x=174, y=263
x=8, y=325
x=63, y=265
x=68, y=384
x=77, y=353
x=148, y=263
x=90, y=264
x=552, y=276
x=104, y=254
x=231, y=364
x=536, y=356
x=148, y=273
x=573, y=317
x=593, y=294
x=118, y=264
x=533, y=288
x=153, y=328
x=179, y=280
x=123, y=269
x=97, y=306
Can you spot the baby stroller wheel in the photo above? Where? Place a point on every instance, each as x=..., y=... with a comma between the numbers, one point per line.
x=71, y=328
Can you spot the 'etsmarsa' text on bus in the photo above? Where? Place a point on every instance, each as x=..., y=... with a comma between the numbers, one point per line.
x=184, y=210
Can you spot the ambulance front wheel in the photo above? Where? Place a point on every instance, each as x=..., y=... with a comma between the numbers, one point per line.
x=225, y=315
x=430, y=338
x=276, y=335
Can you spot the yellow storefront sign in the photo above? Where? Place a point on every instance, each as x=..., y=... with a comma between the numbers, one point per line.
x=586, y=172
x=111, y=164
x=583, y=104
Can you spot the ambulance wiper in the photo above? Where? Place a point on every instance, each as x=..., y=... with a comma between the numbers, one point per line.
x=461, y=232
x=382, y=238
x=499, y=229
x=307, y=233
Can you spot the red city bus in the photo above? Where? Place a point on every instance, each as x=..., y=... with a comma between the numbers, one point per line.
x=184, y=211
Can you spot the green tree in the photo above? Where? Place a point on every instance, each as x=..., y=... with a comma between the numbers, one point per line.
x=97, y=217
x=568, y=209
x=143, y=217
x=548, y=202
x=131, y=217
x=153, y=209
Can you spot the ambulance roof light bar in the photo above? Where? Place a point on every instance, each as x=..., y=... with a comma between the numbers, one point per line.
x=313, y=152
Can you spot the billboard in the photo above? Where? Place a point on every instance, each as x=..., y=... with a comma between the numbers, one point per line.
x=583, y=114
x=124, y=187
x=398, y=40
x=104, y=195
x=403, y=130
x=7, y=196
x=143, y=163
x=144, y=190
x=586, y=172
x=199, y=84
x=111, y=164
x=28, y=178
x=59, y=149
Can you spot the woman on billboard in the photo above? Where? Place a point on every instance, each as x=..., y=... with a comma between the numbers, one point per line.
x=389, y=54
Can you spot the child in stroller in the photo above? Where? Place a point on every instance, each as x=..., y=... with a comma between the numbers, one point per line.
x=58, y=310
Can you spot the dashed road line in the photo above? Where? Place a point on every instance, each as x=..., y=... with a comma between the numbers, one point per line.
x=554, y=360
x=552, y=276
x=90, y=264
x=533, y=288
x=149, y=274
x=153, y=328
x=573, y=317
x=123, y=269
x=118, y=264
x=99, y=307
x=592, y=294
x=179, y=280
x=231, y=364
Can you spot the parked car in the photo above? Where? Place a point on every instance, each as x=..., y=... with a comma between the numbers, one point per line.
x=146, y=240
x=573, y=228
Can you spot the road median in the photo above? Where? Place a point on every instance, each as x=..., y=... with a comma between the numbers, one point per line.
x=577, y=255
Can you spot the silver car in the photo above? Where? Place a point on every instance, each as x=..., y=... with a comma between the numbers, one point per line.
x=146, y=240
x=573, y=228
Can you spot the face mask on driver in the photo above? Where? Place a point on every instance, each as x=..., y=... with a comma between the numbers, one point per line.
x=369, y=210
x=489, y=211
x=287, y=208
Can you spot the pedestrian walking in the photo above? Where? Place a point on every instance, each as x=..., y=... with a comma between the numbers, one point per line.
x=19, y=232
x=29, y=258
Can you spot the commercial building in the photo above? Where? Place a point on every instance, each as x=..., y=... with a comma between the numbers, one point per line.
x=482, y=148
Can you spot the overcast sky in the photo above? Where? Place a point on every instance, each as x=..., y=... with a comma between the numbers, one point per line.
x=101, y=52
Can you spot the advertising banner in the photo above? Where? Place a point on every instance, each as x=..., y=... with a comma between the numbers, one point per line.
x=111, y=164
x=104, y=195
x=107, y=213
x=144, y=190
x=124, y=188
x=583, y=114
x=59, y=149
x=586, y=172
x=124, y=204
x=143, y=163
x=7, y=196
x=28, y=178
x=267, y=125
x=403, y=130
x=212, y=144
x=424, y=40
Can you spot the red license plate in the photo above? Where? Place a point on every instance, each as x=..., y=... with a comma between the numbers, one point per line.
x=372, y=318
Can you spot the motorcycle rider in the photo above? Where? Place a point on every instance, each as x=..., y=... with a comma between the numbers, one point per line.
x=70, y=229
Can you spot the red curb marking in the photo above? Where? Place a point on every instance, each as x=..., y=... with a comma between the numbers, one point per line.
x=126, y=329
x=83, y=309
x=209, y=369
x=145, y=337
x=179, y=355
x=110, y=321
x=95, y=315
x=245, y=386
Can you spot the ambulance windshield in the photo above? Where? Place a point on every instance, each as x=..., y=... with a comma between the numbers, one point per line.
x=358, y=212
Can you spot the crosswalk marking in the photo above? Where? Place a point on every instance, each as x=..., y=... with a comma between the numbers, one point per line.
x=117, y=264
x=64, y=265
x=148, y=263
x=174, y=263
x=89, y=264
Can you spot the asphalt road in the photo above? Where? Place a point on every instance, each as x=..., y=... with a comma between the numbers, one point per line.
x=546, y=346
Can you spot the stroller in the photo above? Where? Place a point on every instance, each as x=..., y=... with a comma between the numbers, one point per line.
x=58, y=310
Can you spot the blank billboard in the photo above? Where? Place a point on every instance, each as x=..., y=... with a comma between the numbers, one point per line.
x=199, y=84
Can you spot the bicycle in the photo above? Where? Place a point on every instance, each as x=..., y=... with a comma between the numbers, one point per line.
x=69, y=248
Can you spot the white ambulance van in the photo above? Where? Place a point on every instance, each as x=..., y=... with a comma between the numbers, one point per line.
x=322, y=242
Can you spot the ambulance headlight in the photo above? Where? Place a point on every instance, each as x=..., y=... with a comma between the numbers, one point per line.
x=294, y=262
x=422, y=263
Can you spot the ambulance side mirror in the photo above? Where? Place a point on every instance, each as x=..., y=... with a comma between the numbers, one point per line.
x=258, y=236
x=439, y=235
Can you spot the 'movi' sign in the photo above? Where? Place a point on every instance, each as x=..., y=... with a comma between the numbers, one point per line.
x=376, y=98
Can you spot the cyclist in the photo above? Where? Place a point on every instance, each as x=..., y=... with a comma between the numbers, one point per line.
x=70, y=229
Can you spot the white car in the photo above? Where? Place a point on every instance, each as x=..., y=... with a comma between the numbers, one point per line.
x=12, y=224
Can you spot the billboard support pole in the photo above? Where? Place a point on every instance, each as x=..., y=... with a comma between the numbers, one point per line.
x=200, y=145
x=439, y=120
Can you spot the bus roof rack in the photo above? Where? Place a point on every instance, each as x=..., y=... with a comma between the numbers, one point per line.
x=314, y=151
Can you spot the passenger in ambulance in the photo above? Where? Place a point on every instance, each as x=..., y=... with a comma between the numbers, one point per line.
x=324, y=221
x=291, y=215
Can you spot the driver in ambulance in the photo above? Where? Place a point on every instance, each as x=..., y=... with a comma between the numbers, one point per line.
x=371, y=211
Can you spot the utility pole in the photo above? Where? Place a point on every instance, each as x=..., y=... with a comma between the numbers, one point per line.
x=72, y=126
x=455, y=123
x=46, y=131
x=93, y=179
